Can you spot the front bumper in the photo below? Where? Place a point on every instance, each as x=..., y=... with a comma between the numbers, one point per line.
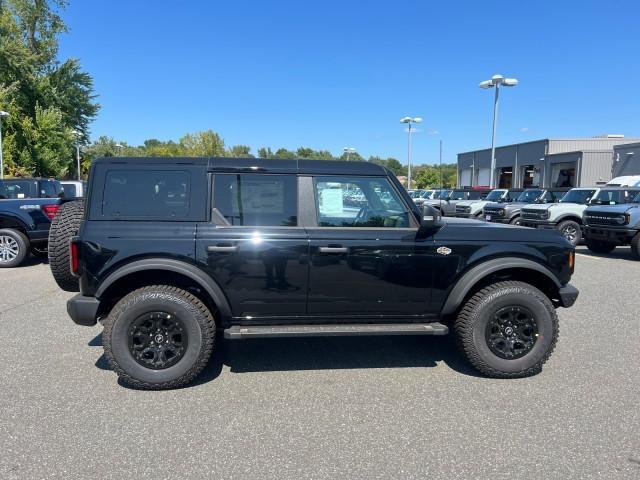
x=83, y=310
x=568, y=295
x=527, y=222
x=619, y=236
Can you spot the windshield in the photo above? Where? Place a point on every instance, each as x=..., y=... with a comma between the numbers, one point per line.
x=415, y=193
x=427, y=194
x=529, y=196
x=443, y=195
x=636, y=199
x=495, y=195
x=577, y=196
x=613, y=197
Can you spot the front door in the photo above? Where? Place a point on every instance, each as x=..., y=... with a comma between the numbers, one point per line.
x=254, y=248
x=365, y=257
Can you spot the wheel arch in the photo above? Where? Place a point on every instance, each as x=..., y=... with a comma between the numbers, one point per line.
x=153, y=271
x=513, y=268
x=569, y=216
x=13, y=222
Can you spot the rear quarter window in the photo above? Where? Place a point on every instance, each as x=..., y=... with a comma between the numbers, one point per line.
x=156, y=194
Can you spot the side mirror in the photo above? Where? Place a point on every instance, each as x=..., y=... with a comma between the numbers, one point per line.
x=430, y=222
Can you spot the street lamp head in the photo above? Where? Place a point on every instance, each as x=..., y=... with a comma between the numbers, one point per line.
x=486, y=84
x=76, y=133
x=3, y=113
x=497, y=79
x=417, y=120
x=510, y=82
x=406, y=120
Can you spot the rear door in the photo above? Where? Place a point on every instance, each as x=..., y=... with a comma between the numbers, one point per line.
x=365, y=258
x=253, y=245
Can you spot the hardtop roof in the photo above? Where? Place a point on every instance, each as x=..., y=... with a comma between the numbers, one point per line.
x=258, y=165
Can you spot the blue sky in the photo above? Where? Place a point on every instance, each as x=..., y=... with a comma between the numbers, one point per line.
x=330, y=74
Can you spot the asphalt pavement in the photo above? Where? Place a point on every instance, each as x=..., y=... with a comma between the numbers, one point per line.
x=368, y=407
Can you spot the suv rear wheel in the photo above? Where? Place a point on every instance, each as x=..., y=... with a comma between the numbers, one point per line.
x=597, y=246
x=158, y=337
x=507, y=330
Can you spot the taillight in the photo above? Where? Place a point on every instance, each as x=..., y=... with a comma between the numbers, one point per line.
x=74, y=257
x=50, y=210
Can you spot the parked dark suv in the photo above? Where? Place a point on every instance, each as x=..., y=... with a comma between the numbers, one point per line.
x=167, y=251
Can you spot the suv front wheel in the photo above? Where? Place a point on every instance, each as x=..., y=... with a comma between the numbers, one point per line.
x=158, y=337
x=507, y=330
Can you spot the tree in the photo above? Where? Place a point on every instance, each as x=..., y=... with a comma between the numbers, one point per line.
x=265, y=152
x=427, y=177
x=240, y=151
x=45, y=98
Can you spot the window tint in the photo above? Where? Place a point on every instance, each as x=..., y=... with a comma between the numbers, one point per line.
x=257, y=200
x=358, y=202
x=70, y=190
x=477, y=195
x=50, y=189
x=12, y=189
x=458, y=195
x=146, y=193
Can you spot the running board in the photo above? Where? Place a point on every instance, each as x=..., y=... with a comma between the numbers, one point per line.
x=238, y=332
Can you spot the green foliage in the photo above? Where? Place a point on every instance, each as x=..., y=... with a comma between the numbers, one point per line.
x=391, y=163
x=46, y=99
x=428, y=176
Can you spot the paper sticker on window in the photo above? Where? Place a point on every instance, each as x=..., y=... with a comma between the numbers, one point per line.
x=331, y=201
x=21, y=195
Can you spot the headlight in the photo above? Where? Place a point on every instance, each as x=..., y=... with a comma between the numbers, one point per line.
x=622, y=219
x=501, y=212
x=546, y=214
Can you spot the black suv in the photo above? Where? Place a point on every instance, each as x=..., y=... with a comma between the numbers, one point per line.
x=166, y=251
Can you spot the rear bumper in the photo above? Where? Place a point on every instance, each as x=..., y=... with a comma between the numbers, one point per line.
x=619, y=236
x=83, y=310
x=568, y=295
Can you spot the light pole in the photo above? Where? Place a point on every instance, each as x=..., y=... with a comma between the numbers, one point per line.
x=2, y=114
x=409, y=121
x=77, y=135
x=349, y=151
x=496, y=82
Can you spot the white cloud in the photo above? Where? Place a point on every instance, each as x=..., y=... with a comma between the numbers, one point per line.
x=524, y=129
x=433, y=131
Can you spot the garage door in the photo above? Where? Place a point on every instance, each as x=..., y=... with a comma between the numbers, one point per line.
x=484, y=177
x=465, y=177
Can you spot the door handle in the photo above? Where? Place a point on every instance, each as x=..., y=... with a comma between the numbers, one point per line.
x=222, y=248
x=333, y=250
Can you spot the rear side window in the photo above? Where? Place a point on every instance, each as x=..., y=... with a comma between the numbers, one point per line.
x=257, y=200
x=50, y=189
x=69, y=190
x=14, y=189
x=146, y=193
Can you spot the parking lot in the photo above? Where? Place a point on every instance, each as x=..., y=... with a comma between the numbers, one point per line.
x=362, y=407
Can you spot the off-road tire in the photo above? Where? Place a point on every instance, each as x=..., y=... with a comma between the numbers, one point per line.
x=22, y=242
x=65, y=224
x=635, y=246
x=573, y=226
x=597, y=246
x=198, y=321
x=471, y=323
x=515, y=220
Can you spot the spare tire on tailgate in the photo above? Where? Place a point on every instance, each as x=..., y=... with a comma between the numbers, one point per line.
x=64, y=225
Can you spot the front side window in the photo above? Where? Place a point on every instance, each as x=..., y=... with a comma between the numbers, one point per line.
x=156, y=194
x=458, y=195
x=257, y=200
x=359, y=202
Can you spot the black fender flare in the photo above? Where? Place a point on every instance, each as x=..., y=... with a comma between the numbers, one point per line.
x=170, y=265
x=477, y=273
x=14, y=221
x=568, y=216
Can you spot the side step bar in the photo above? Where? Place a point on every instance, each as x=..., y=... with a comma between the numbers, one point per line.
x=238, y=332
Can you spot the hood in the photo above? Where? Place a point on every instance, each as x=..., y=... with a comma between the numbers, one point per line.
x=468, y=203
x=498, y=232
x=622, y=208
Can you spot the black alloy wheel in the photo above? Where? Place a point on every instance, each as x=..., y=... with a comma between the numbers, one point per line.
x=157, y=340
x=512, y=332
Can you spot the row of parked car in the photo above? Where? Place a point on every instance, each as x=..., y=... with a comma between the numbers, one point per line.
x=27, y=206
x=603, y=217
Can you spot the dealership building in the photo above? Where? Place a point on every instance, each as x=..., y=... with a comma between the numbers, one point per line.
x=566, y=162
x=626, y=159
